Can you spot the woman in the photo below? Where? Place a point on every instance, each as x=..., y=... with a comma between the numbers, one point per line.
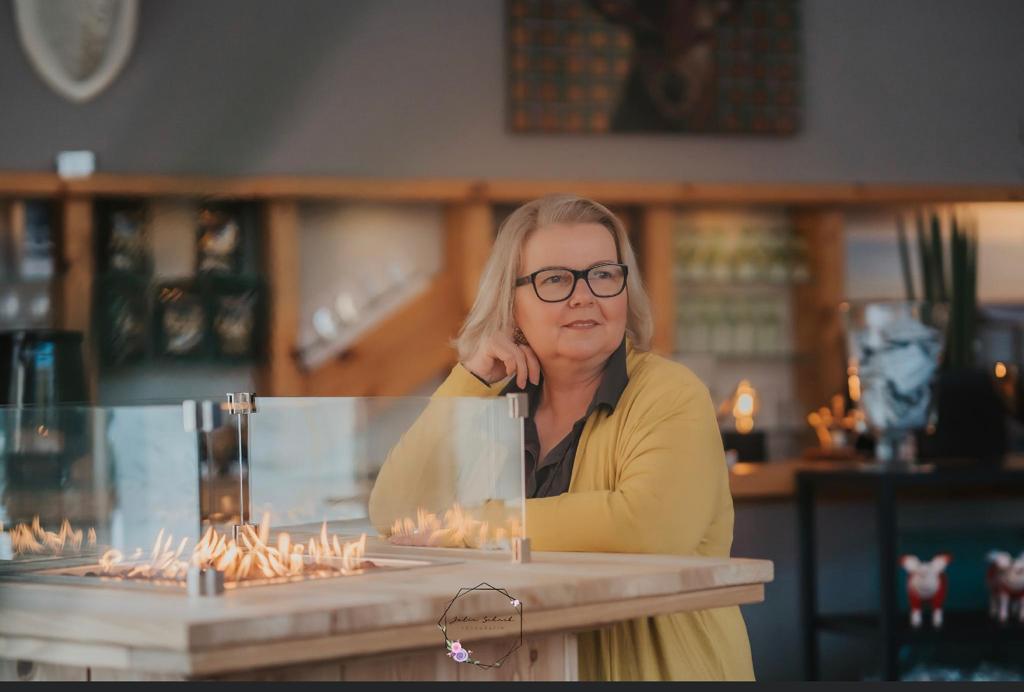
x=623, y=451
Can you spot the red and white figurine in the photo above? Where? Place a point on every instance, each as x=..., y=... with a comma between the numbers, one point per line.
x=1005, y=579
x=926, y=583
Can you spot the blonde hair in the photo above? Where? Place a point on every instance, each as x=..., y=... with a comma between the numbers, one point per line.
x=492, y=310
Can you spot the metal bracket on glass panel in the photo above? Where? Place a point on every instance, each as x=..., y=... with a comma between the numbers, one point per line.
x=521, y=549
x=200, y=416
x=519, y=407
x=203, y=418
x=204, y=581
x=243, y=405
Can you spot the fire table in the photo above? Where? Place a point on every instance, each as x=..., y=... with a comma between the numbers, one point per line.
x=236, y=540
x=383, y=627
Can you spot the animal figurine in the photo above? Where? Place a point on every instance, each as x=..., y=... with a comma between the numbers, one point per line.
x=1005, y=577
x=926, y=582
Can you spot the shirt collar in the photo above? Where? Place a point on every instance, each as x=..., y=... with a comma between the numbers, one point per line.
x=613, y=384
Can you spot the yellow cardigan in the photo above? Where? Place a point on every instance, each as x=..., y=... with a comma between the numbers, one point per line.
x=648, y=478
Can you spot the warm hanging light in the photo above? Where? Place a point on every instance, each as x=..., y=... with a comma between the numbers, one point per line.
x=742, y=405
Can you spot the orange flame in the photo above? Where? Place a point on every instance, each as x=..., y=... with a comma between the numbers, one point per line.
x=457, y=529
x=35, y=540
x=250, y=557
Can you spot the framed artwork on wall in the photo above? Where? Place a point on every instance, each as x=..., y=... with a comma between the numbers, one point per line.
x=649, y=66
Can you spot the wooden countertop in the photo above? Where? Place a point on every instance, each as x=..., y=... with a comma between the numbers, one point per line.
x=173, y=633
x=775, y=480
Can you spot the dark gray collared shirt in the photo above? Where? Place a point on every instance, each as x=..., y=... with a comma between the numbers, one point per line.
x=552, y=474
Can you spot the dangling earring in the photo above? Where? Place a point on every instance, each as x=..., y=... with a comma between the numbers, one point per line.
x=519, y=337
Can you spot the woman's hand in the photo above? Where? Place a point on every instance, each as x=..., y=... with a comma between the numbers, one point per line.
x=499, y=357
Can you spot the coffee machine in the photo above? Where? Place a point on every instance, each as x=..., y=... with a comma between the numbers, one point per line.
x=45, y=439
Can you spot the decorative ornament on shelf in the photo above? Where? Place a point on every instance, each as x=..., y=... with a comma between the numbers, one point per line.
x=180, y=320
x=127, y=246
x=218, y=241
x=894, y=349
x=123, y=316
x=1005, y=578
x=837, y=429
x=926, y=583
x=236, y=308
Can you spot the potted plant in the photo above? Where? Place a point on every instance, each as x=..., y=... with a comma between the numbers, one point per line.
x=968, y=421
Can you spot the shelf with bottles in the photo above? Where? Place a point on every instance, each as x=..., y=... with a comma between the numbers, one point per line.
x=27, y=262
x=741, y=253
x=178, y=280
x=734, y=272
x=754, y=326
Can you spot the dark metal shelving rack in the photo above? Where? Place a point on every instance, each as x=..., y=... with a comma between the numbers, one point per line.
x=885, y=489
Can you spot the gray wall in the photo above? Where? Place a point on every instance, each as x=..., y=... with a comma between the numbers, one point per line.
x=896, y=90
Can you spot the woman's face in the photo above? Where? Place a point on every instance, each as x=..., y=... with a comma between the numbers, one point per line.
x=582, y=327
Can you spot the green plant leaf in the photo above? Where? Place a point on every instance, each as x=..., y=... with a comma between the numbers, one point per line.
x=908, y=275
x=938, y=260
x=924, y=257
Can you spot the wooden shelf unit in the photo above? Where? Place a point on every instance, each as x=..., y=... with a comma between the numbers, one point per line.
x=413, y=344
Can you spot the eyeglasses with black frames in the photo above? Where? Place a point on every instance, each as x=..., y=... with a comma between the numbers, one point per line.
x=555, y=284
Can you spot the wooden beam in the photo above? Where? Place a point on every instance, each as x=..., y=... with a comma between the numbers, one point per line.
x=397, y=190
x=606, y=192
x=820, y=368
x=394, y=190
x=160, y=186
x=469, y=237
x=655, y=192
x=507, y=190
x=281, y=375
x=29, y=184
x=657, y=260
x=75, y=283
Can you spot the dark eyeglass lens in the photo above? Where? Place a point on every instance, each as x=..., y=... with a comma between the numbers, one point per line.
x=553, y=284
x=606, y=280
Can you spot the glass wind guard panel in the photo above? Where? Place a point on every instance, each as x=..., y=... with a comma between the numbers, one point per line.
x=442, y=472
x=82, y=487
x=163, y=496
